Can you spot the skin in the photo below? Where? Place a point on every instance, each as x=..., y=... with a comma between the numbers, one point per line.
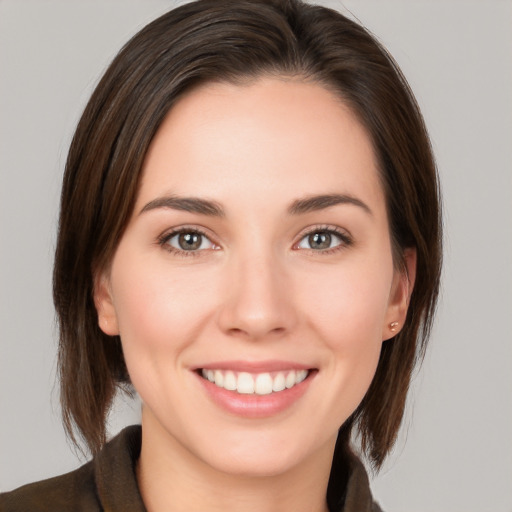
x=256, y=290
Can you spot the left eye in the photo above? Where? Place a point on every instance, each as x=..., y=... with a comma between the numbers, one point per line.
x=320, y=240
x=189, y=241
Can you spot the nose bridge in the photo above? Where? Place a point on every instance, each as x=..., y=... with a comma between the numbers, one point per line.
x=259, y=301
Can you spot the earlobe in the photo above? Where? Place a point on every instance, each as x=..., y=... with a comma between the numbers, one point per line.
x=107, y=318
x=403, y=284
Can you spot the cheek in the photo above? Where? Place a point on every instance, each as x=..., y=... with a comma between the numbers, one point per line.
x=347, y=314
x=158, y=309
x=160, y=315
x=351, y=304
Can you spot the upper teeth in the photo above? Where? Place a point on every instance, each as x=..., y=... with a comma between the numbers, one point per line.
x=259, y=383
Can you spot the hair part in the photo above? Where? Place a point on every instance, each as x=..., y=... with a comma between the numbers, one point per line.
x=236, y=41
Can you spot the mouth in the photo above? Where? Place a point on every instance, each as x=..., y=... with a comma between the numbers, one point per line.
x=255, y=389
x=246, y=383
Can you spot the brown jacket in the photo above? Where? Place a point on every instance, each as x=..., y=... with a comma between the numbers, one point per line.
x=108, y=483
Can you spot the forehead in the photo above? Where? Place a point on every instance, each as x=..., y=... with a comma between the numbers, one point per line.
x=273, y=138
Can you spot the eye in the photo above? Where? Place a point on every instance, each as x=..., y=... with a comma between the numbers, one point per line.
x=188, y=240
x=323, y=240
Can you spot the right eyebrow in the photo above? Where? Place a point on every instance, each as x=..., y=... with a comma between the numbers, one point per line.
x=187, y=204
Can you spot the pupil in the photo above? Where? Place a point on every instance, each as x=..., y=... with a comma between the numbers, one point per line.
x=189, y=241
x=320, y=240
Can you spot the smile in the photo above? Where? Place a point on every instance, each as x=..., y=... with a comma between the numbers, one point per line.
x=254, y=383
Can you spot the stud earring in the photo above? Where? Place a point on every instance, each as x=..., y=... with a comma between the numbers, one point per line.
x=393, y=326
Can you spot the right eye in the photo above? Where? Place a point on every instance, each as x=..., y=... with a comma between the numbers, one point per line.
x=188, y=240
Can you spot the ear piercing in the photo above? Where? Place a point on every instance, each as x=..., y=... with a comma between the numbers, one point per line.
x=393, y=326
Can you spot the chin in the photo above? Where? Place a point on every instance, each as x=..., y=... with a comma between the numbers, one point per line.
x=262, y=456
x=255, y=465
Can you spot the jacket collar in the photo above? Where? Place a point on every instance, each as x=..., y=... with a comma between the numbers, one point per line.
x=116, y=480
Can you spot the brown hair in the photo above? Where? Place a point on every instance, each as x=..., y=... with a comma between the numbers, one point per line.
x=236, y=40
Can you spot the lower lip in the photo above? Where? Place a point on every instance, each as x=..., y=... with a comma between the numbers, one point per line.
x=256, y=406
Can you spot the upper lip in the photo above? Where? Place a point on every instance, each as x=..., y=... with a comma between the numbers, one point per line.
x=254, y=366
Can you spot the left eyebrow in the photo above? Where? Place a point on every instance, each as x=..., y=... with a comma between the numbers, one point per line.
x=320, y=202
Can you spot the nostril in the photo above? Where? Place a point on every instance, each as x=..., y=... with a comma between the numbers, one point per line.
x=257, y=332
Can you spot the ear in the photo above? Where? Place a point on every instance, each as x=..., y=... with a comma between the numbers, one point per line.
x=401, y=290
x=107, y=318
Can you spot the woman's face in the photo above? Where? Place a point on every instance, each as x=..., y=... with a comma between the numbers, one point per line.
x=258, y=256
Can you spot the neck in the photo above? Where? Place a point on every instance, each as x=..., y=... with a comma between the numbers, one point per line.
x=172, y=479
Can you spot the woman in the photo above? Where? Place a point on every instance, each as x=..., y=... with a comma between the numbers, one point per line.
x=250, y=238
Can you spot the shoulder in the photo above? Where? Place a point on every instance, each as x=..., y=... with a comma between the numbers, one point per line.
x=355, y=495
x=359, y=496
x=108, y=482
x=72, y=491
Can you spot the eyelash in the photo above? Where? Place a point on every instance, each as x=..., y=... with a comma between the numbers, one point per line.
x=345, y=239
x=164, y=239
x=343, y=236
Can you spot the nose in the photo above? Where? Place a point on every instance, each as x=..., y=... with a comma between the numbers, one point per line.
x=259, y=299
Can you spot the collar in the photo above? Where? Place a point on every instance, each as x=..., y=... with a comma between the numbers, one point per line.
x=116, y=481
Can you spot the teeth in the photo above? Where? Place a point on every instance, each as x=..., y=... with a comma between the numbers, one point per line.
x=263, y=384
x=229, y=381
x=219, y=378
x=279, y=382
x=301, y=375
x=260, y=384
x=245, y=383
x=290, y=380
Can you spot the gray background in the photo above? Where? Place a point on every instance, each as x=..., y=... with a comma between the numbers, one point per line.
x=455, y=450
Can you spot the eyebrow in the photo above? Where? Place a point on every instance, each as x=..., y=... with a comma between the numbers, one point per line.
x=320, y=202
x=214, y=209
x=186, y=204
